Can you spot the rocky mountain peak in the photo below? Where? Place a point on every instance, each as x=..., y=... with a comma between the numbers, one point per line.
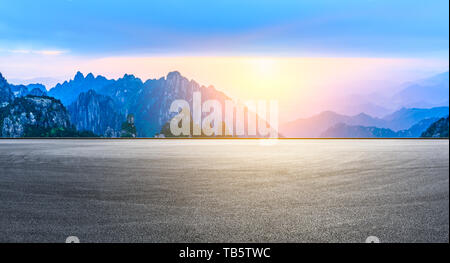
x=6, y=96
x=95, y=113
x=34, y=116
x=90, y=76
x=79, y=76
x=2, y=79
x=128, y=76
x=174, y=75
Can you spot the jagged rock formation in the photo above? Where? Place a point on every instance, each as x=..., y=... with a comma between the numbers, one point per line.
x=153, y=104
x=19, y=90
x=37, y=92
x=33, y=116
x=438, y=129
x=68, y=91
x=125, y=92
x=149, y=101
x=37, y=86
x=31, y=89
x=6, y=95
x=98, y=104
x=96, y=113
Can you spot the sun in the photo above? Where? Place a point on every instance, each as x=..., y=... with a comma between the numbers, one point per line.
x=265, y=67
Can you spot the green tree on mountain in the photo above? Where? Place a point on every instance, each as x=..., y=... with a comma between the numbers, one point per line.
x=128, y=128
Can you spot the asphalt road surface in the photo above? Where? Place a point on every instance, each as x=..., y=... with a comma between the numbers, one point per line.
x=224, y=190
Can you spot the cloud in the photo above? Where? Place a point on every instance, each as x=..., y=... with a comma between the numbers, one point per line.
x=51, y=52
x=20, y=51
x=39, y=52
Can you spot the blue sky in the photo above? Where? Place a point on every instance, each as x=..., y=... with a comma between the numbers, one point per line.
x=298, y=52
x=359, y=28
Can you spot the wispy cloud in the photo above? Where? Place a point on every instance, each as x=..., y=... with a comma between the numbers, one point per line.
x=39, y=52
x=51, y=52
x=20, y=51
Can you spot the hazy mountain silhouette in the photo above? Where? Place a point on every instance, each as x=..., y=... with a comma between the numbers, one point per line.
x=402, y=119
x=425, y=93
x=429, y=92
x=342, y=130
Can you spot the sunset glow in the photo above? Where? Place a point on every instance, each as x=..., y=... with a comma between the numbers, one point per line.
x=296, y=82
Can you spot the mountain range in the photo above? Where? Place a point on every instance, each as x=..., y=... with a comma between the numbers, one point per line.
x=424, y=93
x=96, y=113
x=34, y=116
x=342, y=130
x=149, y=101
x=30, y=89
x=100, y=106
x=316, y=125
x=414, y=102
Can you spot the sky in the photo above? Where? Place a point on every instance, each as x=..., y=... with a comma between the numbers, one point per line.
x=292, y=51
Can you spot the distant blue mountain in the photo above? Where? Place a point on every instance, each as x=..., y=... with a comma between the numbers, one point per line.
x=68, y=91
x=37, y=92
x=39, y=86
x=98, y=104
x=402, y=119
x=96, y=113
x=342, y=130
x=19, y=90
x=30, y=89
x=149, y=102
x=314, y=126
x=425, y=93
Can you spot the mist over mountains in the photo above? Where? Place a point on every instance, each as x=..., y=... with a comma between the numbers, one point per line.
x=423, y=93
x=417, y=103
x=342, y=130
x=101, y=106
x=402, y=119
